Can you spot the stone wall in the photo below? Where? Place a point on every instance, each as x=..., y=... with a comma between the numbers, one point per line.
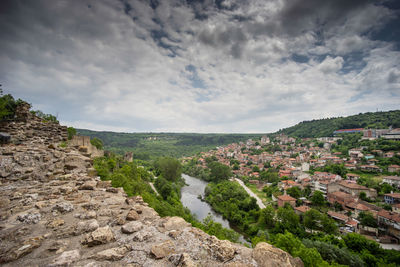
x=83, y=144
x=28, y=128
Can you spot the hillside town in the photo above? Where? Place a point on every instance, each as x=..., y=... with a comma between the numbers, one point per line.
x=357, y=182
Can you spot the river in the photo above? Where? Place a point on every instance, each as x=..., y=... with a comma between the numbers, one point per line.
x=190, y=192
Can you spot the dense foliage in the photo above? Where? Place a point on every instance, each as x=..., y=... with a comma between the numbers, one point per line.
x=232, y=201
x=45, y=117
x=135, y=181
x=151, y=145
x=326, y=127
x=97, y=142
x=7, y=106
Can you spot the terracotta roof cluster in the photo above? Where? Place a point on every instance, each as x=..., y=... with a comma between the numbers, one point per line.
x=389, y=215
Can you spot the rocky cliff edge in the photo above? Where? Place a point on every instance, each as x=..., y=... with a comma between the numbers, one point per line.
x=55, y=211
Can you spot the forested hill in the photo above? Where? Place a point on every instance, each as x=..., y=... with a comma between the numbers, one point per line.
x=147, y=145
x=326, y=127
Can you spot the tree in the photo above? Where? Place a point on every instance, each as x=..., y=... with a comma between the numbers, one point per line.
x=169, y=168
x=317, y=198
x=337, y=206
x=97, y=143
x=329, y=226
x=363, y=196
x=71, y=132
x=312, y=219
x=358, y=243
x=287, y=219
x=367, y=219
x=293, y=245
x=268, y=216
x=219, y=171
x=294, y=191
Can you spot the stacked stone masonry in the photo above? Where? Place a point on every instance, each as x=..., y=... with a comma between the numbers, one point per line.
x=54, y=211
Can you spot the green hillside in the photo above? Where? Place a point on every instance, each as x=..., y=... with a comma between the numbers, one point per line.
x=326, y=127
x=147, y=145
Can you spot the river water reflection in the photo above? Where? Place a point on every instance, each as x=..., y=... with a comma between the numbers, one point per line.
x=189, y=198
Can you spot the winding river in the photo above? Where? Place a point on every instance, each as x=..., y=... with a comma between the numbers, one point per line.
x=195, y=187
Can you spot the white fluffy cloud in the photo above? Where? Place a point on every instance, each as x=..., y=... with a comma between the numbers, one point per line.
x=202, y=67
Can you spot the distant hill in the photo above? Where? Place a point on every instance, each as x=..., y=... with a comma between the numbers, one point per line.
x=326, y=127
x=147, y=145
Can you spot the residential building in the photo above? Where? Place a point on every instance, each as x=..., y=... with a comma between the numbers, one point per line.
x=396, y=208
x=338, y=216
x=390, y=221
x=301, y=210
x=393, y=134
x=393, y=198
x=340, y=197
x=283, y=199
x=356, y=189
x=353, y=177
x=370, y=168
x=392, y=180
x=393, y=168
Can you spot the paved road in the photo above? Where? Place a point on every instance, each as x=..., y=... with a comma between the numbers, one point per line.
x=152, y=187
x=251, y=193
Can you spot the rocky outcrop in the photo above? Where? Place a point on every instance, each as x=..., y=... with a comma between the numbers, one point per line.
x=28, y=128
x=55, y=212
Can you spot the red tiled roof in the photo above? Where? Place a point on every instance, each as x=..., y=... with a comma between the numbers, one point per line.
x=303, y=208
x=393, y=195
x=340, y=194
x=286, y=198
x=389, y=215
x=338, y=216
x=352, y=222
x=361, y=207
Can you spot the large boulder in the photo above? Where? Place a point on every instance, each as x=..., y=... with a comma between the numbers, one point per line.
x=100, y=236
x=175, y=223
x=163, y=249
x=267, y=255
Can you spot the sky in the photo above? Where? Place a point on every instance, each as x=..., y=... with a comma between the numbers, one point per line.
x=206, y=66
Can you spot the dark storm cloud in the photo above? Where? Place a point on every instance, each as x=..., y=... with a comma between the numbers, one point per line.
x=230, y=38
x=298, y=16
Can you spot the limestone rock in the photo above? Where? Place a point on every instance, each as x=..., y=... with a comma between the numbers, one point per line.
x=182, y=260
x=132, y=216
x=131, y=227
x=223, y=249
x=66, y=258
x=29, y=218
x=58, y=246
x=55, y=223
x=112, y=254
x=63, y=207
x=89, y=185
x=100, y=236
x=27, y=247
x=176, y=223
x=163, y=249
x=267, y=255
x=86, y=226
x=144, y=234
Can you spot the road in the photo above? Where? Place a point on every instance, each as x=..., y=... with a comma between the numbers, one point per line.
x=152, y=187
x=251, y=193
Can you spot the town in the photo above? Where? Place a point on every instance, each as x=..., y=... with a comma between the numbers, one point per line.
x=356, y=172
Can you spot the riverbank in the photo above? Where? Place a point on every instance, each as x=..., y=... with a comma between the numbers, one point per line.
x=201, y=209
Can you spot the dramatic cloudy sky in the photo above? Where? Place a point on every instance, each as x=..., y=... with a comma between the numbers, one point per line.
x=200, y=66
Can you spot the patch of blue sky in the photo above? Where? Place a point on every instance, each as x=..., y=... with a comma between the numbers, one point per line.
x=194, y=78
